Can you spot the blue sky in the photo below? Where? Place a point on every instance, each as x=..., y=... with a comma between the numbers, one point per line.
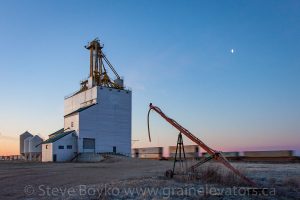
x=175, y=54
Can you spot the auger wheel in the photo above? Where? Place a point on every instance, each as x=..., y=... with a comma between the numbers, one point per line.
x=169, y=173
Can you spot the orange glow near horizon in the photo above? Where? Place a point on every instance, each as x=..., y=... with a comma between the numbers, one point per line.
x=9, y=147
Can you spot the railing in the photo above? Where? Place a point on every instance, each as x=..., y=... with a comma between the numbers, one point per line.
x=12, y=157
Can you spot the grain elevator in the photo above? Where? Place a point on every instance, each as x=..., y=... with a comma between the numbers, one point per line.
x=98, y=115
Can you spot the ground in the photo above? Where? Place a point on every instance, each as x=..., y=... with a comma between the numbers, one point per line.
x=127, y=178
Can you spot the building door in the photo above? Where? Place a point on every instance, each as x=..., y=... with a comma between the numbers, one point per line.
x=114, y=149
x=54, y=157
x=88, y=144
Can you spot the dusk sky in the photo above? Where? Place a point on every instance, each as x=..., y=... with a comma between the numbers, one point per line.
x=229, y=71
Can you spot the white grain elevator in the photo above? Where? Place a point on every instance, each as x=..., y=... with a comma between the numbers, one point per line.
x=100, y=112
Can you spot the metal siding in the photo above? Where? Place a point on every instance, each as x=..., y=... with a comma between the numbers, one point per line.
x=63, y=155
x=33, y=142
x=26, y=144
x=151, y=156
x=283, y=153
x=191, y=151
x=187, y=149
x=109, y=121
x=149, y=150
x=23, y=136
x=88, y=143
x=231, y=154
x=187, y=155
x=226, y=154
x=47, y=153
x=80, y=100
x=68, y=120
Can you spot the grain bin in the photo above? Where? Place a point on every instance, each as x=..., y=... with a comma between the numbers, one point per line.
x=26, y=148
x=26, y=144
x=34, y=146
x=23, y=136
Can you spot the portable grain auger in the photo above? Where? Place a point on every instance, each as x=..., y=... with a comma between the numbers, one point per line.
x=213, y=154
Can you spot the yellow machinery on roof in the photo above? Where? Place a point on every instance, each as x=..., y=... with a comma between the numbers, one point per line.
x=98, y=73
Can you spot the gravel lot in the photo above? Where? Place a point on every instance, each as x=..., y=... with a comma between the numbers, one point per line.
x=126, y=178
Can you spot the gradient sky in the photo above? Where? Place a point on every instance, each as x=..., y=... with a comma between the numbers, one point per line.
x=175, y=54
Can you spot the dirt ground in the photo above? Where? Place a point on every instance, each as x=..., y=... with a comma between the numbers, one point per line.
x=127, y=178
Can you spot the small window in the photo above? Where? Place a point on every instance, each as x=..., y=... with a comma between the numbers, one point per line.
x=60, y=147
x=69, y=146
x=46, y=146
x=72, y=124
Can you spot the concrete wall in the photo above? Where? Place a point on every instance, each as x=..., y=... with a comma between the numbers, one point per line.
x=109, y=121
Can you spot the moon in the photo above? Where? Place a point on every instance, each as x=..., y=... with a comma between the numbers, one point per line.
x=232, y=50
